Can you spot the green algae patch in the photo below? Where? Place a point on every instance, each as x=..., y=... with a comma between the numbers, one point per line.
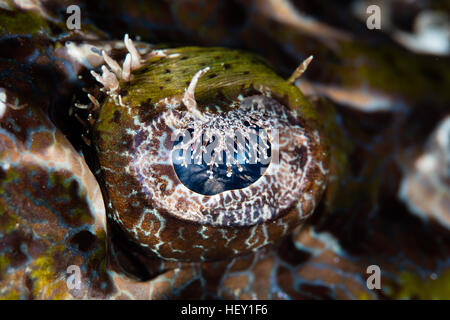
x=412, y=286
x=365, y=296
x=395, y=71
x=11, y=176
x=340, y=147
x=4, y=262
x=11, y=295
x=21, y=22
x=231, y=73
x=46, y=281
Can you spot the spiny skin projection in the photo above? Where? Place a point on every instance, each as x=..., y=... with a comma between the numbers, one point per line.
x=135, y=139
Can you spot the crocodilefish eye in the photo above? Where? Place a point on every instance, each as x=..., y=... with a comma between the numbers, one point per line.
x=206, y=153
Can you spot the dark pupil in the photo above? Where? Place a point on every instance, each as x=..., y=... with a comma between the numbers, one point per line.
x=196, y=177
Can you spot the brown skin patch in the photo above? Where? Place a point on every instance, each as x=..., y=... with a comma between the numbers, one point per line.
x=83, y=240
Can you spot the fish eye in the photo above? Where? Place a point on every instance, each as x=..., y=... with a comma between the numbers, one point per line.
x=200, y=167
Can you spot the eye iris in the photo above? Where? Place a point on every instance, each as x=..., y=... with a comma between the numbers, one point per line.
x=212, y=172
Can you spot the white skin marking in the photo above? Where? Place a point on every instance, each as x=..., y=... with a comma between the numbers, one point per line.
x=2, y=102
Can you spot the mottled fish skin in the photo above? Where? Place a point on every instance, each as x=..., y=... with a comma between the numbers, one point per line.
x=50, y=219
x=378, y=120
